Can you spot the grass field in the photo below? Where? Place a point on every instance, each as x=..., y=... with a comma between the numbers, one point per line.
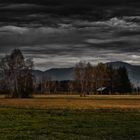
x=75, y=102
x=70, y=118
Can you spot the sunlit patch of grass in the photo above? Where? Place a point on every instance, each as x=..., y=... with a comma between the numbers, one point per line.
x=75, y=102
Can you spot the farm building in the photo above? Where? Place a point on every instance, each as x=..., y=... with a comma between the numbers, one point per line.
x=103, y=90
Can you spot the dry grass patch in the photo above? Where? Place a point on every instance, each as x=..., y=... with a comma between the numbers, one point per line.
x=75, y=102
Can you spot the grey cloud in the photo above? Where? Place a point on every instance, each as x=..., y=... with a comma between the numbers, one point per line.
x=64, y=46
x=19, y=6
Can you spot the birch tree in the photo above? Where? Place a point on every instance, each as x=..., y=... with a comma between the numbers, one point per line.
x=79, y=75
x=17, y=74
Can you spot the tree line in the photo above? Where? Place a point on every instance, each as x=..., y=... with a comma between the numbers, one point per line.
x=17, y=80
x=88, y=79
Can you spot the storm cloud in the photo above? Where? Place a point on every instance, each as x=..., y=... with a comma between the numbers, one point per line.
x=61, y=41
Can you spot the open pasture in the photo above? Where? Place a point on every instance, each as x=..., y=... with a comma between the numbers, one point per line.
x=75, y=102
x=70, y=118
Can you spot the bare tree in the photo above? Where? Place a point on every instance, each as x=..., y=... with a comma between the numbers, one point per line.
x=48, y=84
x=17, y=74
x=89, y=76
x=80, y=77
x=70, y=87
x=101, y=75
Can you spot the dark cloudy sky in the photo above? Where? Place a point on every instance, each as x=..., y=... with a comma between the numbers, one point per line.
x=56, y=40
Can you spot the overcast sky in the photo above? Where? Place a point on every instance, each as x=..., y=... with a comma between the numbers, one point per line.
x=61, y=42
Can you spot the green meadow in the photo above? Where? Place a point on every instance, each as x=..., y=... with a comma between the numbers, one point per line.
x=68, y=124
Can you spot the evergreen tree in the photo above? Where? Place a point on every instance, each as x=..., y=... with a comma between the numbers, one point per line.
x=124, y=82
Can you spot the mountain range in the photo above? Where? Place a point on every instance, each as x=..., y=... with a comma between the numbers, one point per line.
x=60, y=74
